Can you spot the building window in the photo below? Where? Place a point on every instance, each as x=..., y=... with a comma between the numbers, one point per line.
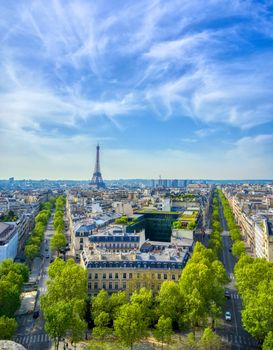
x=81, y=240
x=104, y=285
x=116, y=286
x=173, y=277
x=110, y=275
x=110, y=285
x=159, y=276
x=89, y=276
x=96, y=276
x=81, y=246
x=165, y=276
x=116, y=275
x=130, y=275
x=89, y=285
x=138, y=275
x=124, y=274
x=124, y=285
x=96, y=285
x=104, y=276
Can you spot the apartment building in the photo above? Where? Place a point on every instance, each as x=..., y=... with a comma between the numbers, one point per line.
x=8, y=240
x=253, y=212
x=118, y=260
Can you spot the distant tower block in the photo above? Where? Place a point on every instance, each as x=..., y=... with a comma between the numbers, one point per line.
x=97, y=178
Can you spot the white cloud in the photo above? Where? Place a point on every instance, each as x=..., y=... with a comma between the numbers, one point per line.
x=66, y=62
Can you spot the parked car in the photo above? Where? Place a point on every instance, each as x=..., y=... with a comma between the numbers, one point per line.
x=227, y=294
x=36, y=314
x=228, y=316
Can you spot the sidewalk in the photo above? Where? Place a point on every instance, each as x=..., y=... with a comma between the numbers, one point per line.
x=35, y=269
x=79, y=346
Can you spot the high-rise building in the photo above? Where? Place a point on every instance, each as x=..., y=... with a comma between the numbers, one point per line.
x=97, y=178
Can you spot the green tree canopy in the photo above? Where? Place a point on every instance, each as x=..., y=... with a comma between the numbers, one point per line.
x=268, y=342
x=163, y=330
x=64, y=303
x=170, y=301
x=238, y=248
x=102, y=329
x=31, y=251
x=9, y=298
x=144, y=298
x=202, y=286
x=123, y=220
x=100, y=303
x=7, y=327
x=58, y=242
x=129, y=325
x=209, y=341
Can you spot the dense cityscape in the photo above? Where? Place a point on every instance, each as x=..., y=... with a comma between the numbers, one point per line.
x=177, y=262
x=136, y=178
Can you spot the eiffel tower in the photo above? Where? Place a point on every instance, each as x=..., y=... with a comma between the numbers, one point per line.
x=97, y=178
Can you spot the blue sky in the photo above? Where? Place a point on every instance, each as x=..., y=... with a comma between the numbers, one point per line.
x=181, y=89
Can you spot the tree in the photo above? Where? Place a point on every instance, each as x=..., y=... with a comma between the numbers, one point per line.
x=209, y=341
x=7, y=327
x=20, y=269
x=101, y=329
x=177, y=225
x=257, y=315
x=9, y=298
x=163, y=330
x=56, y=267
x=58, y=242
x=77, y=326
x=129, y=325
x=170, y=301
x=201, y=284
x=66, y=294
x=115, y=302
x=14, y=279
x=144, y=298
x=250, y=273
x=123, y=220
x=100, y=303
x=191, y=225
x=31, y=251
x=238, y=248
x=58, y=318
x=268, y=342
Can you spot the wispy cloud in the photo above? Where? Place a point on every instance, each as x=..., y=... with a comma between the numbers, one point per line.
x=116, y=66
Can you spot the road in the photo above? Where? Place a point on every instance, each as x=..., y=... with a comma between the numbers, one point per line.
x=233, y=332
x=30, y=332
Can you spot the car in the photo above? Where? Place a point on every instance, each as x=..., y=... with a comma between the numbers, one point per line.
x=227, y=316
x=36, y=314
x=227, y=294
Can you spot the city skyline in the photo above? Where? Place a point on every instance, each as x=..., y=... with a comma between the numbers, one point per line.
x=177, y=89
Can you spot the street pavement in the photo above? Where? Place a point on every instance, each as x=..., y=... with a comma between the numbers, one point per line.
x=30, y=332
x=232, y=332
